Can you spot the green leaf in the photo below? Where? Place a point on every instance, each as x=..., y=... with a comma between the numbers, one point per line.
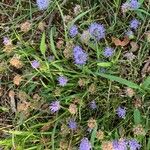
x=52, y=45
x=93, y=135
x=120, y=80
x=137, y=116
x=146, y=83
x=148, y=144
x=43, y=44
x=105, y=64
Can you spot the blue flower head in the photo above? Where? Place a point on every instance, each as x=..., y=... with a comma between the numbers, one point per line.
x=73, y=31
x=42, y=4
x=93, y=105
x=79, y=55
x=108, y=52
x=121, y=112
x=35, y=64
x=97, y=31
x=62, y=80
x=134, y=145
x=54, y=106
x=72, y=124
x=85, y=144
x=134, y=24
x=134, y=4
x=120, y=145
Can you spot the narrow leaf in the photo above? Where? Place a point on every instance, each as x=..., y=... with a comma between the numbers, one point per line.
x=104, y=64
x=93, y=135
x=137, y=116
x=43, y=44
x=120, y=80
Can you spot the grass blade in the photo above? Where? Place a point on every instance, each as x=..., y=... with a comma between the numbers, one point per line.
x=121, y=81
x=43, y=44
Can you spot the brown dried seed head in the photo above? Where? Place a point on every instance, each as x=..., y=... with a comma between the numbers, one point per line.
x=137, y=103
x=77, y=9
x=11, y=93
x=16, y=62
x=25, y=27
x=67, y=18
x=36, y=97
x=85, y=37
x=23, y=107
x=17, y=79
x=63, y=145
x=107, y=145
x=130, y=92
x=100, y=135
x=41, y=26
x=8, y=48
x=22, y=96
x=82, y=82
x=73, y=109
x=92, y=88
x=60, y=43
x=139, y=130
x=91, y=123
x=64, y=130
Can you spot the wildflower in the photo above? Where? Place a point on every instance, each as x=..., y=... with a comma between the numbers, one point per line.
x=82, y=82
x=85, y=37
x=130, y=92
x=134, y=145
x=72, y=124
x=108, y=52
x=134, y=24
x=80, y=56
x=97, y=31
x=6, y=41
x=42, y=4
x=73, y=31
x=91, y=123
x=93, y=105
x=25, y=27
x=120, y=145
x=134, y=4
x=17, y=79
x=62, y=80
x=121, y=112
x=35, y=64
x=130, y=34
x=85, y=144
x=54, y=106
x=73, y=109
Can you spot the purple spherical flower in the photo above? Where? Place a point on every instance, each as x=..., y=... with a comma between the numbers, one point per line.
x=97, y=31
x=121, y=112
x=134, y=24
x=73, y=31
x=93, y=105
x=62, y=80
x=108, y=52
x=134, y=145
x=119, y=145
x=80, y=56
x=85, y=144
x=72, y=124
x=54, y=106
x=6, y=41
x=134, y=4
x=42, y=4
x=35, y=64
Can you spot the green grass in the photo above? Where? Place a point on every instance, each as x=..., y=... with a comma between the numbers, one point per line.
x=24, y=130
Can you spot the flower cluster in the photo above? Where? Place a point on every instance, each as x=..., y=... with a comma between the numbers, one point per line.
x=54, y=106
x=85, y=144
x=80, y=56
x=108, y=52
x=97, y=31
x=121, y=112
x=62, y=80
x=73, y=31
x=72, y=124
x=42, y=4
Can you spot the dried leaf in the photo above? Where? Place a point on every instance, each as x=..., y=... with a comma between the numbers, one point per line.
x=118, y=42
x=134, y=46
